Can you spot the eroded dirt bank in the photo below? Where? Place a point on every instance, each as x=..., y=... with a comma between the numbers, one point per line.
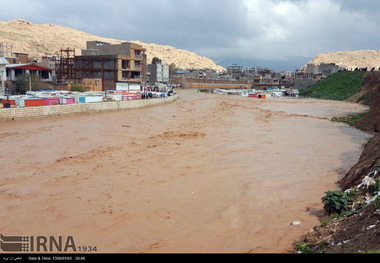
x=206, y=173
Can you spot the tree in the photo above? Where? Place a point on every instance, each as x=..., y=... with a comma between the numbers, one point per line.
x=21, y=84
x=156, y=60
x=26, y=82
x=172, y=68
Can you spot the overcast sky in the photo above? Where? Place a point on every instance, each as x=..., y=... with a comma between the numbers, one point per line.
x=219, y=29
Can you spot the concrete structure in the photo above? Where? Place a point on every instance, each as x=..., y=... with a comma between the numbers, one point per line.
x=214, y=86
x=328, y=69
x=303, y=83
x=323, y=69
x=3, y=74
x=122, y=65
x=15, y=70
x=159, y=73
x=18, y=58
x=82, y=108
x=288, y=74
x=312, y=69
x=260, y=82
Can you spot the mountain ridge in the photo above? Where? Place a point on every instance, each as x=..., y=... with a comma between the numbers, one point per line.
x=350, y=59
x=41, y=39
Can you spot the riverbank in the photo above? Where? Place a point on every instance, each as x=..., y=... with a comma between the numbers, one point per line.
x=356, y=229
x=79, y=108
x=205, y=173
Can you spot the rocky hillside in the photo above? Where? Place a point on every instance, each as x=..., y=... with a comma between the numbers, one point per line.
x=357, y=229
x=350, y=59
x=39, y=39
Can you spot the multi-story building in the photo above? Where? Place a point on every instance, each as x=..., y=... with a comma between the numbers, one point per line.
x=328, y=69
x=159, y=73
x=3, y=74
x=116, y=66
x=260, y=82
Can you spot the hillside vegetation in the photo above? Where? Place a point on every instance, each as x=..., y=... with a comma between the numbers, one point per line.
x=352, y=220
x=339, y=86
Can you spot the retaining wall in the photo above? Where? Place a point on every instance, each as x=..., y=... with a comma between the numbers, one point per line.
x=213, y=86
x=80, y=108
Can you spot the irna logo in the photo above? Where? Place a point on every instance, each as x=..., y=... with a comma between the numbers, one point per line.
x=37, y=244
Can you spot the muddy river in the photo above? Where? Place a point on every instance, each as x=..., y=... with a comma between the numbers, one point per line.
x=206, y=173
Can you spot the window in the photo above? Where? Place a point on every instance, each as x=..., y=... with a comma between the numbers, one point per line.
x=125, y=64
x=109, y=75
x=44, y=74
x=110, y=64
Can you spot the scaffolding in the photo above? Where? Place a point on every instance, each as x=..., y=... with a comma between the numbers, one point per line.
x=64, y=68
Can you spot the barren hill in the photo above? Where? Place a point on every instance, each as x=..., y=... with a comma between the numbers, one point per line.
x=39, y=39
x=350, y=59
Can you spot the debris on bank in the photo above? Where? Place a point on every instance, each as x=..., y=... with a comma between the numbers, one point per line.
x=356, y=228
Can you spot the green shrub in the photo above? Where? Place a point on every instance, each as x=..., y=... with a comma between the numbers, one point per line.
x=80, y=88
x=376, y=203
x=325, y=223
x=304, y=248
x=335, y=202
x=375, y=188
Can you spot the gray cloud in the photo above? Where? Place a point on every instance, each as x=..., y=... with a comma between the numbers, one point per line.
x=261, y=29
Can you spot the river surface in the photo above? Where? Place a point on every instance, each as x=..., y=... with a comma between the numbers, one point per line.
x=205, y=174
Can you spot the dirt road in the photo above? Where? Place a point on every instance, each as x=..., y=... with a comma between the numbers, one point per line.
x=206, y=173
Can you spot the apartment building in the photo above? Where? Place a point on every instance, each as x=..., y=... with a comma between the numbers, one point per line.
x=159, y=73
x=116, y=66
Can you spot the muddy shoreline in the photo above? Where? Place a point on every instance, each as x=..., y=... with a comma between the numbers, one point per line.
x=206, y=173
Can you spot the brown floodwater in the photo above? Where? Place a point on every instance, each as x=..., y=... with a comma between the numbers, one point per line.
x=205, y=174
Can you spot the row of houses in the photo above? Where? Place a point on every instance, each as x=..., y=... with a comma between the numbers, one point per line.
x=311, y=74
x=234, y=77
x=101, y=66
x=12, y=68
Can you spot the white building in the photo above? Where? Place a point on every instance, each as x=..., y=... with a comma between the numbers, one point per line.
x=159, y=73
x=15, y=70
x=3, y=74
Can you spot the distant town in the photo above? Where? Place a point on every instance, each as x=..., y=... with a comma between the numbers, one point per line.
x=103, y=66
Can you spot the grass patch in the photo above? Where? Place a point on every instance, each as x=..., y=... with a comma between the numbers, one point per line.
x=339, y=86
x=376, y=251
x=307, y=248
x=351, y=119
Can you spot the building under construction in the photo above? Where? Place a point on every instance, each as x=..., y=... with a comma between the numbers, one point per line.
x=106, y=66
x=64, y=68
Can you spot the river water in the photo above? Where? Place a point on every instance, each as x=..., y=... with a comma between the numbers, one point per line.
x=205, y=174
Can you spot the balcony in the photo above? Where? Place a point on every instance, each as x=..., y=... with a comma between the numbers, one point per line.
x=136, y=80
x=127, y=77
